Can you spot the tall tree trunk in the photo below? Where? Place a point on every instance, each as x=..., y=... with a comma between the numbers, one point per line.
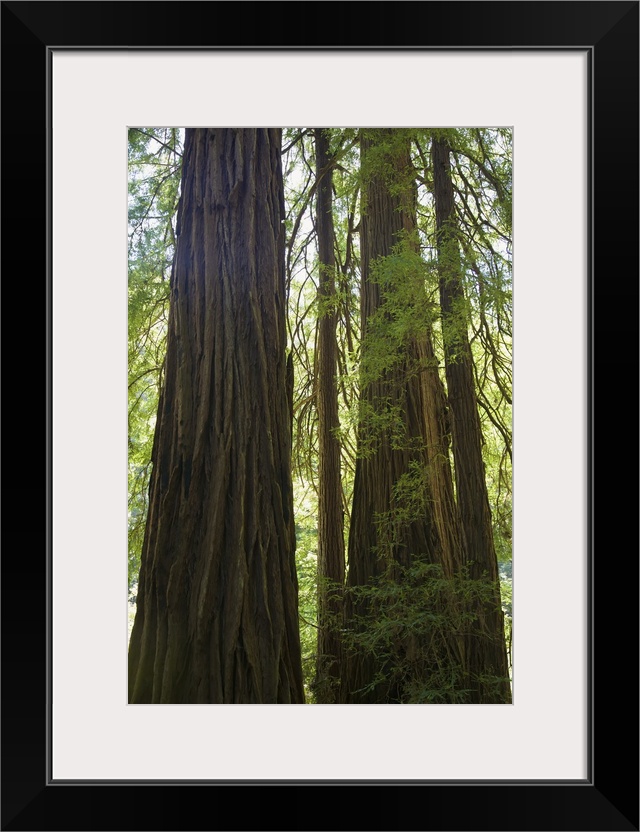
x=486, y=654
x=217, y=603
x=381, y=534
x=330, y=516
x=437, y=434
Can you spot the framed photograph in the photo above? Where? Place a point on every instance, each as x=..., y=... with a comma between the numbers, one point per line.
x=564, y=78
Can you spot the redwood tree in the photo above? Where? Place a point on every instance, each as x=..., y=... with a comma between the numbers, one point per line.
x=217, y=619
x=395, y=524
x=486, y=655
x=330, y=514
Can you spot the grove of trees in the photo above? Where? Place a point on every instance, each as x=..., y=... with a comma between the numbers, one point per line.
x=320, y=441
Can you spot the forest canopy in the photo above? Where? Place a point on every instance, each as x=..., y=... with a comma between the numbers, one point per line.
x=320, y=444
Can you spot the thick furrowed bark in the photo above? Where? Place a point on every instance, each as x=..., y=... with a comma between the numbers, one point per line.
x=217, y=610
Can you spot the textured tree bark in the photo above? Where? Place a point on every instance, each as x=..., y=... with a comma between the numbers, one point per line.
x=330, y=515
x=486, y=654
x=217, y=603
x=416, y=399
x=437, y=434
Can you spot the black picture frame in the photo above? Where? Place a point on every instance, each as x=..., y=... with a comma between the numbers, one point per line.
x=608, y=798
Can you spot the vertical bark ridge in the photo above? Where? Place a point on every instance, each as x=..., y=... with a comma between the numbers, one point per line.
x=217, y=609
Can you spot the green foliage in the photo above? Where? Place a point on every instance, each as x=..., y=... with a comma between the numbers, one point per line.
x=404, y=315
x=388, y=146
x=154, y=178
x=389, y=356
x=305, y=510
x=410, y=495
x=414, y=626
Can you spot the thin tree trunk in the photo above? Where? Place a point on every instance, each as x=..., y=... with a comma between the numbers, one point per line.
x=486, y=654
x=217, y=603
x=330, y=515
x=437, y=433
